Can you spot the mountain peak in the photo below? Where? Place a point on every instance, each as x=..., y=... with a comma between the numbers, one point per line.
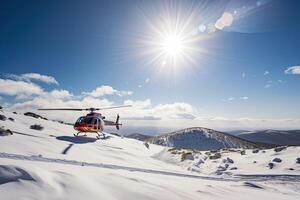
x=202, y=139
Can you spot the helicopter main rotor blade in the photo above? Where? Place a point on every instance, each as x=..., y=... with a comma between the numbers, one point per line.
x=73, y=109
x=85, y=109
x=113, y=107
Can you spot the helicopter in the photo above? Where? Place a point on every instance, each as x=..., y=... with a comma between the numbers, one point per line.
x=93, y=122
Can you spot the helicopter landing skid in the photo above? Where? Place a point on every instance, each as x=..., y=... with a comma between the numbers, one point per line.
x=77, y=134
x=100, y=136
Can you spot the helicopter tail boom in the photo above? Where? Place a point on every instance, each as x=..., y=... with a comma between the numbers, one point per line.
x=111, y=123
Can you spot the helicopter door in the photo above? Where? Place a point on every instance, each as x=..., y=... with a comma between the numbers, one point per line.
x=96, y=123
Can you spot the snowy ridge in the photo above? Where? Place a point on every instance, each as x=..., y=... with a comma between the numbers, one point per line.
x=202, y=139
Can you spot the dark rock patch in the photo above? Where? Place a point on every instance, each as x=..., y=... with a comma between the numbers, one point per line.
x=215, y=156
x=11, y=119
x=187, y=156
x=2, y=117
x=278, y=149
x=146, y=145
x=255, y=151
x=31, y=114
x=278, y=160
x=5, y=132
x=229, y=160
x=37, y=127
x=271, y=165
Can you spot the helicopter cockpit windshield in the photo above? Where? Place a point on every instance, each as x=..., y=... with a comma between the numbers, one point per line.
x=85, y=120
x=80, y=120
x=88, y=120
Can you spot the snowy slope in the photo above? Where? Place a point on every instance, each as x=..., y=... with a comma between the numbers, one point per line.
x=236, y=161
x=202, y=139
x=52, y=164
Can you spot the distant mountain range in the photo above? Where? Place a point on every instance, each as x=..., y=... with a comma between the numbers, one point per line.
x=199, y=138
x=279, y=137
x=139, y=136
x=207, y=139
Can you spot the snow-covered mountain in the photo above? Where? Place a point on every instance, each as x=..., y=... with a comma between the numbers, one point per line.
x=202, y=139
x=42, y=159
x=139, y=136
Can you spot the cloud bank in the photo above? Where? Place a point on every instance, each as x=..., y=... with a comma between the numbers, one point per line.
x=28, y=77
x=292, y=70
x=28, y=96
x=107, y=90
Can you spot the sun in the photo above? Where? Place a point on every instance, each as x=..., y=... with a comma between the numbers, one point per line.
x=172, y=45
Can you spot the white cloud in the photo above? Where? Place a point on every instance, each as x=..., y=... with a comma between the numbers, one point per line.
x=268, y=85
x=293, y=70
x=141, y=110
x=142, y=118
x=145, y=110
x=244, y=98
x=107, y=90
x=143, y=113
x=59, y=94
x=177, y=110
x=225, y=20
x=19, y=88
x=147, y=80
x=139, y=104
x=266, y=73
x=34, y=76
x=59, y=102
x=34, y=97
x=236, y=98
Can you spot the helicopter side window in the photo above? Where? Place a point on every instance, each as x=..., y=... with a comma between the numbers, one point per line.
x=96, y=123
x=99, y=121
x=88, y=120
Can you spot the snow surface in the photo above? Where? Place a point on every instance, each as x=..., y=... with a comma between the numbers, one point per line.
x=53, y=164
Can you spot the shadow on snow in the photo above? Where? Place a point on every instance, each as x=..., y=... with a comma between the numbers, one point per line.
x=77, y=139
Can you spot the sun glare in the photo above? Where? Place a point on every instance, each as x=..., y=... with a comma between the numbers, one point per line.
x=171, y=42
x=172, y=45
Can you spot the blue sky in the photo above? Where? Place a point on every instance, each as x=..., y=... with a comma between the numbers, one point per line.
x=225, y=76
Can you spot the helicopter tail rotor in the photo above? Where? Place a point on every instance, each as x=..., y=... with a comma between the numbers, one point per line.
x=117, y=122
